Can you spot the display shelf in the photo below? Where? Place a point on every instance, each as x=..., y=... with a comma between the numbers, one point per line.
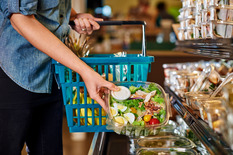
x=210, y=139
x=213, y=48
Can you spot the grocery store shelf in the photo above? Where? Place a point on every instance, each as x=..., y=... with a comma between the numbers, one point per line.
x=213, y=48
x=212, y=141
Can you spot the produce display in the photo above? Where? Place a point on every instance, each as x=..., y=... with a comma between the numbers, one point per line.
x=138, y=107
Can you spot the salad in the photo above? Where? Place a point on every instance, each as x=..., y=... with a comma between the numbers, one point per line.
x=138, y=106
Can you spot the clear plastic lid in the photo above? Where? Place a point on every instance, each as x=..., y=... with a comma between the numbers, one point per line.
x=208, y=80
x=216, y=114
x=165, y=142
x=226, y=80
x=166, y=151
x=143, y=113
x=193, y=97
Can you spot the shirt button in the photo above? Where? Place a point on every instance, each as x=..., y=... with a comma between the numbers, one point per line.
x=61, y=16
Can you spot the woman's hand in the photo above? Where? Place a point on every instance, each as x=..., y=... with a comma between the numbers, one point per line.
x=85, y=23
x=94, y=82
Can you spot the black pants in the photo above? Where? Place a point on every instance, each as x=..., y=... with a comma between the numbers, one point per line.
x=29, y=117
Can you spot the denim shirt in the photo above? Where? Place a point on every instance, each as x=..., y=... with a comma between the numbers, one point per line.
x=22, y=62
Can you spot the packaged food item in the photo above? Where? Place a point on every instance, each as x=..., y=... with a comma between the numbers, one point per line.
x=205, y=30
x=141, y=113
x=181, y=34
x=228, y=95
x=218, y=13
x=220, y=2
x=207, y=81
x=190, y=3
x=189, y=23
x=169, y=130
x=188, y=33
x=202, y=102
x=165, y=142
x=189, y=12
x=198, y=19
x=227, y=79
x=205, y=16
x=216, y=114
x=166, y=151
x=182, y=24
x=206, y=4
x=167, y=69
x=183, y=81
x=192, y=98
x=197, y=32
x=199, y=6
x=220, y=30
x=184, y=3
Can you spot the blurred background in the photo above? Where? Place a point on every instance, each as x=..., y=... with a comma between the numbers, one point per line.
x=159, y=15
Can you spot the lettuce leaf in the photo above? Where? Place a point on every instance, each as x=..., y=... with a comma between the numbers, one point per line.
x=158, y=99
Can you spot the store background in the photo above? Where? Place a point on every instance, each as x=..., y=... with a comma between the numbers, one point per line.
x=79, y=143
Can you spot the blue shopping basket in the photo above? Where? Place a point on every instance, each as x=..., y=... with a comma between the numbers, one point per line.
x=84, y=114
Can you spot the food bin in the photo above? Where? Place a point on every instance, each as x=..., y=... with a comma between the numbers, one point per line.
x=166, y=142
x=166, y=151
x=143, y=113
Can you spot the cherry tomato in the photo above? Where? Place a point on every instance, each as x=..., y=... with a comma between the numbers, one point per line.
x=133, y=110
x=147, y=118
x=154, y=121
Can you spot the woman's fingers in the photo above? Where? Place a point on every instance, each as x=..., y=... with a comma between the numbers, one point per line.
x=88, y=26
x=86, y=23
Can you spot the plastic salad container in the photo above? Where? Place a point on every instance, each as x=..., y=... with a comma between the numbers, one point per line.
x=166, y=142
x=138, y=109
x=166, y=151
x=169, y=130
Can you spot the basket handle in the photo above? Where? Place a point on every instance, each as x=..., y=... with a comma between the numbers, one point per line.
x=108, y=23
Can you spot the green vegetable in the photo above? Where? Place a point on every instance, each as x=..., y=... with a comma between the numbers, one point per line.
x=157, y=99
x=153, y=87
x=161, y=115
x=139, y=123
x=212, y=86
x=133, y=89
x=136, y=123
x=127, y=110
x=133, y=103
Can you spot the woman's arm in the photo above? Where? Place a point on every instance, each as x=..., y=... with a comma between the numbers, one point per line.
x=40, y=37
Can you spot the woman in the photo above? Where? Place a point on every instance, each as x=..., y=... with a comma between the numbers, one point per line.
x=31, y=33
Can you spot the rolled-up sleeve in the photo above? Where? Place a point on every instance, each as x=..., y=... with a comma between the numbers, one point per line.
x=25, y=7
